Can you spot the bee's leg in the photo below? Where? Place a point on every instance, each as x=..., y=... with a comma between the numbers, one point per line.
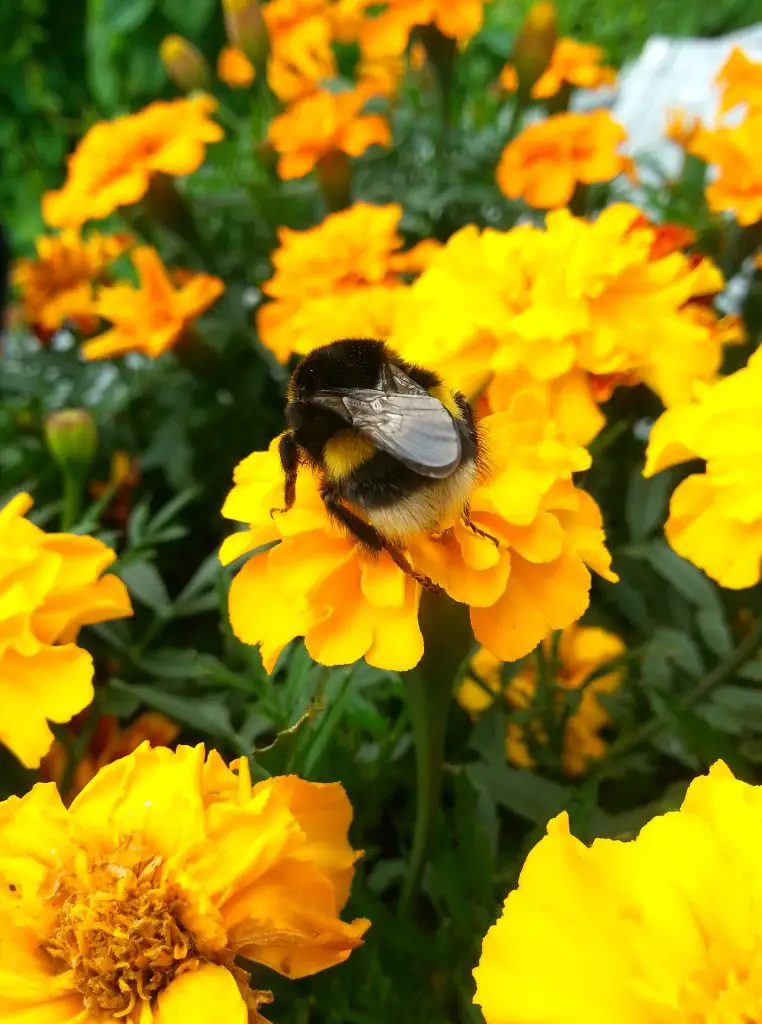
x=370, y=538
x=468, y=521
x=289, y=460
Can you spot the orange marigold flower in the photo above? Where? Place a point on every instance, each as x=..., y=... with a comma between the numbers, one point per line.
x=113, y=163
x=740, y=81
x=108, y=742
x=339, y=279
x=578, y=64
x=737, y=154
x=581, y=652
x=557, y=309
x=234, y=68
x=134, y=903
x=58, y=285
x=388, y=32
x=314, y=582
x=301, y=51
x=51, y=584
x=152, y=317
x=509, y=78
x=322, y=124
x=547, y=160
x=715, y=517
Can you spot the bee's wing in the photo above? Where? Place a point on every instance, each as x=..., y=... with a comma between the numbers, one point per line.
x=412, y=427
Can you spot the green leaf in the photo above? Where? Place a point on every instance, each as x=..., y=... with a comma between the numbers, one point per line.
x=205, y=714
x=189, y=18
x=646, y=502
x=698, y=736
x=687, y=580
x=522, y=792
x=714, y=631
x=173, y=663
x=123, y=16
x=146, y=585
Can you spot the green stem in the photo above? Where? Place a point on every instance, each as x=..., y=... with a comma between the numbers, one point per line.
x=429, y=687
x=72, y=501
x=720, y=674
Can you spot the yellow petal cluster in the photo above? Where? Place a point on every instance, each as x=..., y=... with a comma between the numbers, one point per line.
x=312, y=581
x=234, y=68
x=51, y=584
x=548, y=159
x=152, y=317
x=108, y=741
x=58, y=284
x=568, y=310
x=133, y=903
x=573, y=63
x=321, y=124
x=580, y=652
x=736, y=152
x=340, y=279
x=114, y=161
x=388, y=32
x=715, y=517
x=664, y=928
x=740, y=82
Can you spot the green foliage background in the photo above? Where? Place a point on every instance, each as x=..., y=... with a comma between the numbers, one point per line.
x=191, y=420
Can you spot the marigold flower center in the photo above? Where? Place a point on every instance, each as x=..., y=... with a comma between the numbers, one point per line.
x=121, y=932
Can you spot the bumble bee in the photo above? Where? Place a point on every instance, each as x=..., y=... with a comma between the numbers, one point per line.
x=388, y=439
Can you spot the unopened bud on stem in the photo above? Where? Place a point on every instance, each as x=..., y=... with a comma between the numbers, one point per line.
x=72, y=440
x=246, y=29
x=184, y=64
x=535, y=43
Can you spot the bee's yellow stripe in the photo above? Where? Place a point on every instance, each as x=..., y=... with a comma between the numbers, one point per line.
x=344, y=452
x=445, y=396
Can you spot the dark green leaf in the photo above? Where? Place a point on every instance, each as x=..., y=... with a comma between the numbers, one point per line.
x=122, y=16
x=528, y=795
x=189, y=18
x=646, y=502
x=146, y=585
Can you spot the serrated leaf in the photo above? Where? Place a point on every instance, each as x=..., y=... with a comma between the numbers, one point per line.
x=203, y=714
x=146, y=585
x=123, y=16
x=698, y=736
x=687, y=580
x=714, y=631
x=173, y=663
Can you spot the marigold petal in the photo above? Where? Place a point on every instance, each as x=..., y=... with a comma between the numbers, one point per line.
x=209, y=995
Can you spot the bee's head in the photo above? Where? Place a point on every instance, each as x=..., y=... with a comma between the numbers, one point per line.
x=340, y=366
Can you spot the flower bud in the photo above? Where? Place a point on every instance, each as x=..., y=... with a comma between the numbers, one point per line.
x=184, y=63
x=234, y=68
x=72, y=440
x=535, y=43
x=246, y=28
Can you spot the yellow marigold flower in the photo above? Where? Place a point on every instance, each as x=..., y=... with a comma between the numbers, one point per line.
x=57, y=285
x=134, y=902
x=581, y=650
x=339, y=279
x=321, y=124
x=662, y=928
x=108, y=742
x=51, y=584
x=715, y=517
x=573, y=63
x=737, y=154
x=547, y=160
x=113, y=163
x=315, y=583
x=562, y=309
x=740, y=81
x=234, y=68
x=152, y=317
x=388, y=32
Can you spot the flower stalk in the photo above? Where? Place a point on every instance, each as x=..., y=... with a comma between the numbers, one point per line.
x=429, y=687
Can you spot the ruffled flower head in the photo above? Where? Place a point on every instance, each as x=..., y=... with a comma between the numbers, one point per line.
x=113, y=163
x=715, y=517
x=665, y=927
x=134, y=903
x=312, y=580
x=389, y=31
x=321, y=124
x=740, y=81
x=51, y=584
x=572, y=63
x=737, y=154
x=59, y=284
x=568, y=311
x=152, y=317
x=547, y=160
x=340, y=279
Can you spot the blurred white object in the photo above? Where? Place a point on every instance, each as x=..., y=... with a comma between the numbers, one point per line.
x=669, y=74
